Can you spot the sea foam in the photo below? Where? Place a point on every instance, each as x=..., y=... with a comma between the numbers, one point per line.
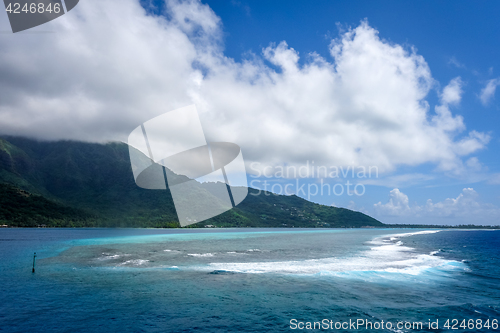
x=387, y=255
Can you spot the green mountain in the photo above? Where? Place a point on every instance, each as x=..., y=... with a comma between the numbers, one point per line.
x=68, y=183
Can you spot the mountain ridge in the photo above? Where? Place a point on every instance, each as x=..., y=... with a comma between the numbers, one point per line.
x=91, y=184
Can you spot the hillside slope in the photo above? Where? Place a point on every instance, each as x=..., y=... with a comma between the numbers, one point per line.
x=92, y=185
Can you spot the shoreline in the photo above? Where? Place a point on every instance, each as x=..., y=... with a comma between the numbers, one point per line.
x=387, y=226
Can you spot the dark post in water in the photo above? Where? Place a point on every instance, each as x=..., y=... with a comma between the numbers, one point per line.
x=34, y=256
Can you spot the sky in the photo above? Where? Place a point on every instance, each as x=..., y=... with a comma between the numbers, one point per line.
x=404, y=89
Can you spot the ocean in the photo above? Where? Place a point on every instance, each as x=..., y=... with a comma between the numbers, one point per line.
x=249, y=280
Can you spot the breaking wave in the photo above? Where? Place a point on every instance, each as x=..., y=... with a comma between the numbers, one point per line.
x=387, y=254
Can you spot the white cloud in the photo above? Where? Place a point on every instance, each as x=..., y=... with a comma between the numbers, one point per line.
x=474, y=165
x=109, y=67
x=464, y=209
x=488, y=92
x=464, y=204
x=398, y=205
x=452, y=93
x=106, y=68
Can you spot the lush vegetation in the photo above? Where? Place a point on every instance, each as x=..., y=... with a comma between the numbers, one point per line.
x=21, y=208
x=76, y=184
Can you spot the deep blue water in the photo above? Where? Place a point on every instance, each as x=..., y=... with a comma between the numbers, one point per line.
x=246, y=280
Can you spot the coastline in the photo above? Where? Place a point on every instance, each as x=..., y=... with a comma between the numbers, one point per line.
x=387, y=226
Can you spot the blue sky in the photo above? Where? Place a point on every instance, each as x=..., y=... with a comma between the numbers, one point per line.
x=456, y=38
x=406, y=86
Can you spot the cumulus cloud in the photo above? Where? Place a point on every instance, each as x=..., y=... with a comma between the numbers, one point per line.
x=465, y=208
x=110, y=66
x=106, y=68
x=452, y=93
x=464, y=204
x=398, y=205
x=488, y=92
